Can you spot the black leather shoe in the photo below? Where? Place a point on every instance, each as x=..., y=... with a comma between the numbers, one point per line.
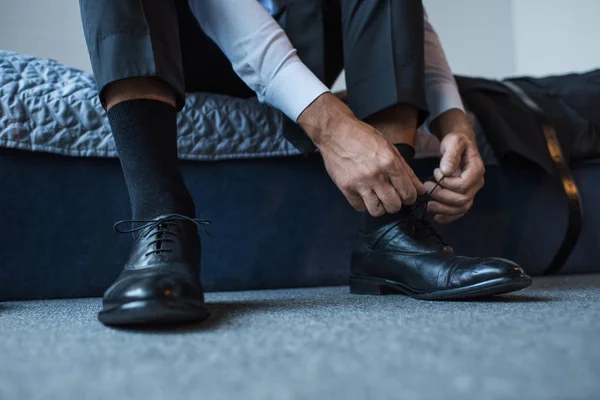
x=161, y=279
x=409, y=257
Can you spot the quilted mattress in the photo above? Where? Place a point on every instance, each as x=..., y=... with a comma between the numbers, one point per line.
x=49, y=107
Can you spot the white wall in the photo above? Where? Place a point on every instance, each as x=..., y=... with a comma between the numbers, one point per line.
x=556, y=36
x=44, y=28
x=477, y=35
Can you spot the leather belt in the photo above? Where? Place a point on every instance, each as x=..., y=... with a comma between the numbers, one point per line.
x=563, y=173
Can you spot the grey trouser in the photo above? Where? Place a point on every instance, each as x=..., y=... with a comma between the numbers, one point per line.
x=378, y=42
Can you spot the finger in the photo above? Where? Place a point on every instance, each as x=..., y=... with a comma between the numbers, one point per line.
x=373, y=204
x=389, y=197
x=469, y=192
x=452, y=154
x=356, y=201
x=420, y=188
x=463, y=182
x=471, y=162
x=437, y=208
x=448, y=197
x=467, y=180
x=404, y=186
x=411, y=174
x=446, y=219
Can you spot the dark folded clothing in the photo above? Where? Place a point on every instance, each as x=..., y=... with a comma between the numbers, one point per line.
x=571, y=103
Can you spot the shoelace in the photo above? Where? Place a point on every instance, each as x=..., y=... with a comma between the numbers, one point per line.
x=418, y=214
x=147, y=228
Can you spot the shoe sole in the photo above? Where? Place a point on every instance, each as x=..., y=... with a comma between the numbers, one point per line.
x=378, y=286
x=153, y=312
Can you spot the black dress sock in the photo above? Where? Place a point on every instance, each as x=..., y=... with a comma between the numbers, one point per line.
x=371, y=223
x=145, y=133
x=407, y=152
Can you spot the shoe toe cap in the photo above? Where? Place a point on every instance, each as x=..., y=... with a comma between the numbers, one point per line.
x=486, y=269
x=166, y=287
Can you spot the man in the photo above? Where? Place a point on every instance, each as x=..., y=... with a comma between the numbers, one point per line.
x=147, y=53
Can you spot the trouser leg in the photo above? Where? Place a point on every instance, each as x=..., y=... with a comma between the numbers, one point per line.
x=380, y=45
x=378, y=42
x=153, y=38
x=136, y=58
x=384, y=55
x=134, y=39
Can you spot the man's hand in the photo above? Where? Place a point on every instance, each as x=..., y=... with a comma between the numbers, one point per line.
x=368, y=170
x=461, y=167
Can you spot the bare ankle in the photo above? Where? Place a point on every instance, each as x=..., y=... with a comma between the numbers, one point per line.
x=397, y=123
x=138, y=88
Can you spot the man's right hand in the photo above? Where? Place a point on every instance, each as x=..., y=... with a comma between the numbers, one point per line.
x=368, y=170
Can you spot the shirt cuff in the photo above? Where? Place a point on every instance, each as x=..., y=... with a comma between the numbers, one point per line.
x=294, y=88
x=441, y=98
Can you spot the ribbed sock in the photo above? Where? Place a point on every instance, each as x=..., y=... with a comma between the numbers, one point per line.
x=145, y=133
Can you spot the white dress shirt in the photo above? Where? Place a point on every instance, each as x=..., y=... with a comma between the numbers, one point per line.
x=441, y=90
x=264, y=58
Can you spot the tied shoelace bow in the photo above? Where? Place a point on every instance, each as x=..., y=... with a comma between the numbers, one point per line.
x=418, y=215
x=159, y=228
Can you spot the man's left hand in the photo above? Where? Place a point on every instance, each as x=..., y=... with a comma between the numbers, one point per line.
x=462, y=168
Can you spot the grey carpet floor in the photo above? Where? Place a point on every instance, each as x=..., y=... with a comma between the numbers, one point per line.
x=541, y=343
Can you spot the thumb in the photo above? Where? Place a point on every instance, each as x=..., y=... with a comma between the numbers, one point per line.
x=451, y=156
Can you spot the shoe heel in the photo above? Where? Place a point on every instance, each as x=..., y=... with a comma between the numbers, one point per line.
x=366, y=286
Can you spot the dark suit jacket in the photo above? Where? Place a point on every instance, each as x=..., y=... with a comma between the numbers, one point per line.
x=570, y=102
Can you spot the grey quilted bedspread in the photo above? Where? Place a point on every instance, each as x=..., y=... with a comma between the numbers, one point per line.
x=47, y=106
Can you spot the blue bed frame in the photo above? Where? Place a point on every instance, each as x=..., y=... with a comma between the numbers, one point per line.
x=277, y=223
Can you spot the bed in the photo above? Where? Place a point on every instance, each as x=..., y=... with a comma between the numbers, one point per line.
x=278, y=220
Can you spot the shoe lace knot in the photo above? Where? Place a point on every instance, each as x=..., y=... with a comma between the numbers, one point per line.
x=418, y=217
x=159, y=230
